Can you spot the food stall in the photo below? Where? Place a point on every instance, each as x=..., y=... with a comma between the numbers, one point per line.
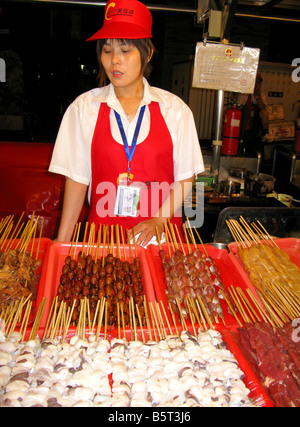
x=211, y=320
x=114, y=324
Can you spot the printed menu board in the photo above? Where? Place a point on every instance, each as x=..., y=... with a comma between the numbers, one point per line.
x=225, y=67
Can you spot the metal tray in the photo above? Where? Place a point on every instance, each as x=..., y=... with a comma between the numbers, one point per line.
x=279, y=222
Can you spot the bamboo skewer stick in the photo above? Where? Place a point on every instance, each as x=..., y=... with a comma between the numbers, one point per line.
x=271, y=239
x=238, y=304
x=160, y=320
x=231, y=308
x=118, y=241
x=123, y=243
x=171, y=228
x=274, y=319
x=207, y=317
x=179, y=238
x=48, y=318
x=25, y=320
x=131, y=303
x=118, y=320
x=130, y=252
x=292, y=300
x=84, y=238
x=263, y=315
x=77, y=238
x=191, y=315
x=95, y=315
x=174, y=319
x=38, y=318
x=15, y=233
x=123, y=322
x=154, y=321
x=68, y=322
x=140, y=323
x=13, y=318
x=182, y=320
x=166, y=317
x=186, y=238
x=134, y=242
x=147, y=318
x=105, y=323
x=100, y=318
x=6, y=233
x=167, y=239
x=254, y=315
x=246, y=305
x=194, y=309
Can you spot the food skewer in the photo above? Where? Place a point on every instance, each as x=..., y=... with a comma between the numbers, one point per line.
x=238, y=304
x=15, y=234
x=248, y=305
x=38, y=317
x=160, y=319
x=140, y=322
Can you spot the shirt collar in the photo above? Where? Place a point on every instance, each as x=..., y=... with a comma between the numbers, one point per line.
x=108, y=95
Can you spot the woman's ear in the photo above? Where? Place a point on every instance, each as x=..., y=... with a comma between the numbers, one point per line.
x=151, y=51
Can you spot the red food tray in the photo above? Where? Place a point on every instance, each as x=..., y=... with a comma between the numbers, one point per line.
x=42, y=247
x=56, y=259
x=257, y=391
x=230, y=274
x=290, y=245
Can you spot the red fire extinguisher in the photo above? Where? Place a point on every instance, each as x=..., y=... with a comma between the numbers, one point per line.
x=297, y=142
x=231, y=131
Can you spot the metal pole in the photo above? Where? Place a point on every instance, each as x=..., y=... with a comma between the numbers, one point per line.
x=217, y=143
x=102, y=4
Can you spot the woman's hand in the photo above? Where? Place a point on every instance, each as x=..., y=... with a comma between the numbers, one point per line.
x=147, y=230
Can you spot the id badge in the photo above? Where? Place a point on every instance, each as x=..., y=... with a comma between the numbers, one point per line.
x=127, y=201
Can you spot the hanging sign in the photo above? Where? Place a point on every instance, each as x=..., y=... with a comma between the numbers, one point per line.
x=225, y=67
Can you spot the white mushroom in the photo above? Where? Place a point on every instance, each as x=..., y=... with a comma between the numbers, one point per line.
x=5, y=372
x=5, y=358
x=7, y=347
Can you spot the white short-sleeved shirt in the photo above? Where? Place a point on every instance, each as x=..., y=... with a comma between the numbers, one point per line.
x=72, y=152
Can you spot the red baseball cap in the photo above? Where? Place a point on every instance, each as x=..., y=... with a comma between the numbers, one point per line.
x=125, y=19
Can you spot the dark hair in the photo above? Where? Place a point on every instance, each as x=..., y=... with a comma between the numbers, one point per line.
x=145, y=47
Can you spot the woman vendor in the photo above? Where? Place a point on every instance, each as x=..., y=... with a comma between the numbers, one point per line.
x=134, y=148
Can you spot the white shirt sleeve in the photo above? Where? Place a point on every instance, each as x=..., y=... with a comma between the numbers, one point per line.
x=188, y=160
x=71, y=154
x=187, y=155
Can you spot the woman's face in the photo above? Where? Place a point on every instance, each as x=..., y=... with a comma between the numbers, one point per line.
x=122, y=63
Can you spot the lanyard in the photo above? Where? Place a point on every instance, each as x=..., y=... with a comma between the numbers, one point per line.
x=130, y=151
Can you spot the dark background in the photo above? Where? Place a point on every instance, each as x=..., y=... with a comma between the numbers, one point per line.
x=49, y=63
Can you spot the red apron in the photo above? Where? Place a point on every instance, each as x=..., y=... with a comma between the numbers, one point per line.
x=151, y=165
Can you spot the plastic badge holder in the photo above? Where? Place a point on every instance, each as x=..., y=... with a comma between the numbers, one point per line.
x=56, y=260
x=229, y=273
x=42, y=246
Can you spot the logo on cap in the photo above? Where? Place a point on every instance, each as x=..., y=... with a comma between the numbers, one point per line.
x=107, y=9
x=109, y=14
